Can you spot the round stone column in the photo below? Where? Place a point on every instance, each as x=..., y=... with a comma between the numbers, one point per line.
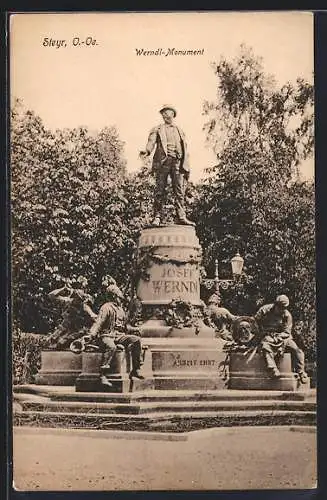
x=168, y=287
x=170, y=256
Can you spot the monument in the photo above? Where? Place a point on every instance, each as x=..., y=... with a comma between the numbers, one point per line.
x=179, y=350
x=178, y=347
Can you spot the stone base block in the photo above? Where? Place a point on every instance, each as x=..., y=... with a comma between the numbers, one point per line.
x=175, y=363
x=285, y=383
x=253, y=375
x=59, y=368
x=118, y=375
x=187, y=363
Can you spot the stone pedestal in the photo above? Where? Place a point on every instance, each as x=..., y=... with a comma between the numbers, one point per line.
x=179, y=363
x=254, y=374
x=118, y=374
x=182, y=350
x=174, y=255
x=59, y=368
x=168, y=260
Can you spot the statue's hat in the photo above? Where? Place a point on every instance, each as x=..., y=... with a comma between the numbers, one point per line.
x=167, y=106
x=282, y=299
x=115, y=291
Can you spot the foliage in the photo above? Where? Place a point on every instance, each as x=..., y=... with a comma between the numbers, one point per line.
x=26, y=361
x=182, y=314
x=305, y=336
x=139, y=191
x=68, y=205
x=253, y=200
x=250, y=107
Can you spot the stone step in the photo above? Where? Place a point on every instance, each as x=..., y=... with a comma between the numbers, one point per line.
x=21, y=396
x=166, y=406
x=165, y=422
x=184, y=396
x=59, y=393
x=81, y=407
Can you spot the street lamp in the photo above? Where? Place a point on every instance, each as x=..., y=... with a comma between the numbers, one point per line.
x=237, y=266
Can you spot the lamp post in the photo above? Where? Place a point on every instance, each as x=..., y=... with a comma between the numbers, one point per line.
x=237, y=266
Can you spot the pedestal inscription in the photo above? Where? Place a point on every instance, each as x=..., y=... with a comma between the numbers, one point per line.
x=171, y=255
x=174, y=282
x=179, y=360
x=187, y=367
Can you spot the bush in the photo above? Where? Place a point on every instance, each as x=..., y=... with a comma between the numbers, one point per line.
x=26, y=357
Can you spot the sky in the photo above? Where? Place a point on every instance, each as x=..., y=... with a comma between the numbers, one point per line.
x=102, y=82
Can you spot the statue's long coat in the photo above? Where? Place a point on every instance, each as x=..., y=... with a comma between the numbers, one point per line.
x=158, y=139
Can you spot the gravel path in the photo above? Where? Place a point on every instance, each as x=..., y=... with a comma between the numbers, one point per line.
x=234, y=458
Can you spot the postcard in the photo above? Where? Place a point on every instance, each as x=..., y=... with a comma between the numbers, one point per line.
x=163, y=251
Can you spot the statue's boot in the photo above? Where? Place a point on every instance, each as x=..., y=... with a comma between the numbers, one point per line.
x=106, y=363
x=274, y=372
x=136, y=374
x=105, y=381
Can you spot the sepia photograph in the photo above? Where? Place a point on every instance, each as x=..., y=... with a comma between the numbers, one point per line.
x=163, y=274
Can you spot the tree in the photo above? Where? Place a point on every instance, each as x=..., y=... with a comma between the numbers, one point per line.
x=254, y=200
x=68, y=205
x=277, y=122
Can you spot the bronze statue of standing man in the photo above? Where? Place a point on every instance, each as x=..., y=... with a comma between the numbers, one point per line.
x=170, y=159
